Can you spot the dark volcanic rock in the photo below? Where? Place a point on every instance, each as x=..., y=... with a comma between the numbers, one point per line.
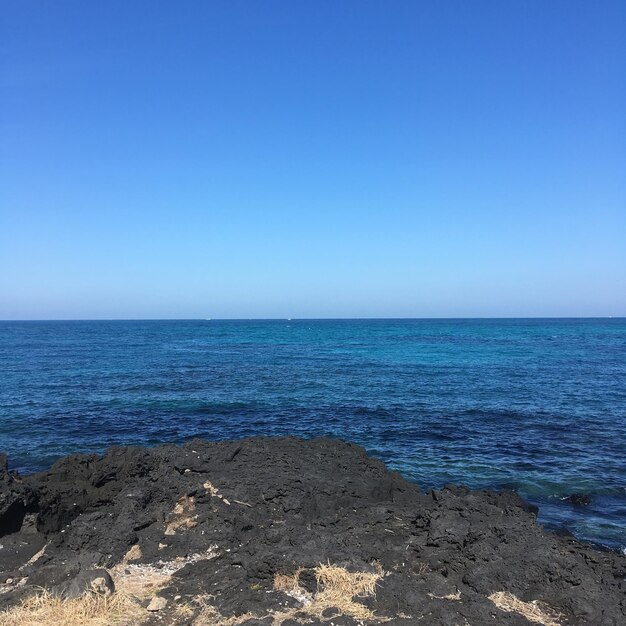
x=93, y=581
x=15, y=499
x=234, y=515
x=579, y=499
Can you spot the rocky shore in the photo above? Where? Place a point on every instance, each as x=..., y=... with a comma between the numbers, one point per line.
x=270, y=531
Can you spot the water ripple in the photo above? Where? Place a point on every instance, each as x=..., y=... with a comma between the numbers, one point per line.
x=533, y=405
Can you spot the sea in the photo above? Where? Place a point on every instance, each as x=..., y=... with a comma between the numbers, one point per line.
x=532, y=405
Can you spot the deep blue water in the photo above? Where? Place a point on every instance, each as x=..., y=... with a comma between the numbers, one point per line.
x=533, y=405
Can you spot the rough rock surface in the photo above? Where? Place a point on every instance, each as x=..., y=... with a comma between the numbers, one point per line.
x=221, y=522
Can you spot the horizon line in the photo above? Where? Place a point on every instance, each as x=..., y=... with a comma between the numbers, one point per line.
x=309, y=319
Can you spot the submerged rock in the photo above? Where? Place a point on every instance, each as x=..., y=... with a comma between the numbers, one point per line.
x=282, y=530
x=579, y=499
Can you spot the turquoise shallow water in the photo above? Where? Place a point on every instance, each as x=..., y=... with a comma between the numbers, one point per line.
x=533, y=405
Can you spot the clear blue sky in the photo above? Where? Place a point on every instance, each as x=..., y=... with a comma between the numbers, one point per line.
x=312, y=159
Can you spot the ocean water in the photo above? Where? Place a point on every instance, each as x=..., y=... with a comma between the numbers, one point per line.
x=538, y=406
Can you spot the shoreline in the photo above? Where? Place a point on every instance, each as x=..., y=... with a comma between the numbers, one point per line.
x=576, y=499
x=287, y=531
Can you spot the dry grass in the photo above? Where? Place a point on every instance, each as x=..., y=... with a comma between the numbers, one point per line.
x=185, y=609
x=532, y=611
x=90, y=610
x=133, y=582
x=288, y=583
x=210, y=616
x=339, y=587
x=336, y=587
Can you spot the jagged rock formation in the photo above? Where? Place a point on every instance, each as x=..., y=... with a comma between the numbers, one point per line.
x=286, y=531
